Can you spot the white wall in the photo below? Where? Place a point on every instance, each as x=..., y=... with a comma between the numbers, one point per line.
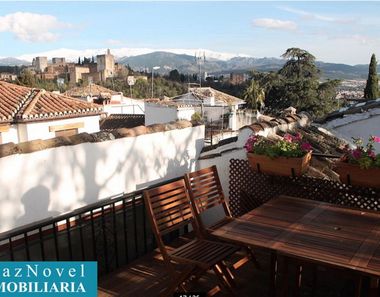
x=129, y=106
x=214, y=113
x=58, y=180
x=185, y=113
x=40, y=130
x=10, y=135
x=364, y=126
x=157, y=114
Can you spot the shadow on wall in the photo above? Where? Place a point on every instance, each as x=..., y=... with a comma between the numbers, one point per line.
x=179, y=164
x=36, y=203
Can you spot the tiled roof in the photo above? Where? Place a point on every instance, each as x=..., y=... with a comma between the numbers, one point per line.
x=268, y=122
x=356, y=108
x=117, y=121
x=19, y=104
x=93, y=90
x=207, y=92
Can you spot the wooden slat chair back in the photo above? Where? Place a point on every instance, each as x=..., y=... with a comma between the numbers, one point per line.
x=205, y=191
x=169, y=209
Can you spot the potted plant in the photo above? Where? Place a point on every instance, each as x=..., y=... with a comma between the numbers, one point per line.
x=360, y=166
x=289, y=156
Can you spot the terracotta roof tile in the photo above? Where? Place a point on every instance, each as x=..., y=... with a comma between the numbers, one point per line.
x=118, y=121
x=93, y=90
x=18, y=103
x=206, y=92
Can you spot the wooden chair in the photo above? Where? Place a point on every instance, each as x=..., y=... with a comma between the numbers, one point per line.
x=205, y=191
x=169, y=209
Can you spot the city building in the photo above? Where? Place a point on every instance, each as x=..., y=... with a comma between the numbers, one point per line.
x=8, y=76
x=105, y=65
x=58, y=61
x=40, y=63
x=238, y=78
x=30, y=114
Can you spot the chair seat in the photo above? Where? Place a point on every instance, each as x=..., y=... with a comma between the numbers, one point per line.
x=204, y=253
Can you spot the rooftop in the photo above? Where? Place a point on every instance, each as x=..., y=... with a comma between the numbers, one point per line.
x=353, y=112
x=117, y=121
x=22, y=104
x=195, y=96
x=92, y=90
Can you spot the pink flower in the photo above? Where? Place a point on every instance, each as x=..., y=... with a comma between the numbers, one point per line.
x=251, y=142
x=305, y=146
x=371, y=154
x=357, y=153
x=298, y=137
x=288, y=137
x=376, y=139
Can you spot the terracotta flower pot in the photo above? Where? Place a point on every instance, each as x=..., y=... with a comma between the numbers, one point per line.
x=354, y=175
x=279, y=166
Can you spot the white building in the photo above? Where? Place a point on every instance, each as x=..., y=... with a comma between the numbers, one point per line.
x=167, y=111
x=359, y=120
x=214, y=104
x=29, y=114
x=113, y=102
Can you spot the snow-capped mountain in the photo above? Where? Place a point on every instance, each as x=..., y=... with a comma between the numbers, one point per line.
x=72, y=55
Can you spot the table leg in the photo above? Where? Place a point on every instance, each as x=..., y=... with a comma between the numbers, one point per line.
x=358, y=286
x=374, y=287
x=273, y=274
x=314, y=280
x=298, y=280
x=285, y=278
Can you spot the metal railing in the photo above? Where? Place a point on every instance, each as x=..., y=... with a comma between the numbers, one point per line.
x=113, y=232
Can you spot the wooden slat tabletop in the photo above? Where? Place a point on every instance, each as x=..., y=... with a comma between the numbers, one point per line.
x=313, y=230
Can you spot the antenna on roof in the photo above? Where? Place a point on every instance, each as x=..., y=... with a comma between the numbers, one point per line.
x=200, y=60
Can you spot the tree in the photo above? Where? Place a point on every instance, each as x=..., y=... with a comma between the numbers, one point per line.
x=79, y=61
x=27, y=78
x=371, y=90
x=297, y=84
x=254, y=95
x=300, y=64
x=174, y=75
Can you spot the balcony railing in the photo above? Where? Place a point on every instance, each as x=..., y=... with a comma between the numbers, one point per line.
x=113, y=232
x=248, y=190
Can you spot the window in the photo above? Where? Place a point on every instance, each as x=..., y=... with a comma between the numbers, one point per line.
x=68, y=132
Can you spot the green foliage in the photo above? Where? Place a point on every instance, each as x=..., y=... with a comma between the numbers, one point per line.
x=174, y=75
x=363, y=155
x=28, y=79
x=297, y=84
x=196, y=117
x=254, y=95
x=143, y=88
x=290, y=146
x=371, y=90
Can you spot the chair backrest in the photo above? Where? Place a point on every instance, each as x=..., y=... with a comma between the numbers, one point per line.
x=169, y=209
x=205, y=191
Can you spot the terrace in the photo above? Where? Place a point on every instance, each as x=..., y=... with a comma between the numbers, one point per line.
x=116, y=233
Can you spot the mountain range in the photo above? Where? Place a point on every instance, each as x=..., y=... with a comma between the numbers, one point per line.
x=187, y=64
x=184, y=61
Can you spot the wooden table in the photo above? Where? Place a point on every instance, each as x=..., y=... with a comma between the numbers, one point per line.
x=312, y=230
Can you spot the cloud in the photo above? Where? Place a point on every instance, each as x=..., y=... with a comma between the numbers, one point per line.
x=32, y=27
x=314, y=16
x=275, y=24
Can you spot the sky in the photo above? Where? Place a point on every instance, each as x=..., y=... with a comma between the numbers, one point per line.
x=337, y=32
